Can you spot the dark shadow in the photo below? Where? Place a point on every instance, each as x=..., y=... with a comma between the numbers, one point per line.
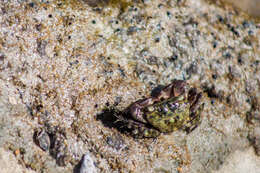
x=95, y=3
x=113, y=118
x=108, y=117
x=76, y=169
x=157, y=90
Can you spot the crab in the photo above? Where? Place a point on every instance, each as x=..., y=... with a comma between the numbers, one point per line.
x=176, y=106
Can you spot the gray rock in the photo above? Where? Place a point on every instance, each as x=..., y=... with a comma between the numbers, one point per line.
x=87, y=165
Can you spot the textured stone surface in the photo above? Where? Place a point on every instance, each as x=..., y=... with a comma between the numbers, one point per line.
x=250, y=6
x=63, y=62
x=241, y=161
x=9, y=163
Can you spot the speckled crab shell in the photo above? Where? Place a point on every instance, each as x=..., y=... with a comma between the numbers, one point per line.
x=177, y=106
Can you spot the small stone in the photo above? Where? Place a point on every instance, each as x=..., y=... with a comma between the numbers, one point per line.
x=43, y=140
x=131, y=30
x=87, y=164
x=41, y=46
x=116, y=142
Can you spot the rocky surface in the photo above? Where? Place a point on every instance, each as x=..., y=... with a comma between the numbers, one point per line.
x=62, y=63
x=250, y=6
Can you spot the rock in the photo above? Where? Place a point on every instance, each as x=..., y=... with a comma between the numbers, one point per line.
x=87, y=164
x=43, y=140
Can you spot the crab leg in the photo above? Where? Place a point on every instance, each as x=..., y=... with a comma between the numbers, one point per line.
x=139, y=130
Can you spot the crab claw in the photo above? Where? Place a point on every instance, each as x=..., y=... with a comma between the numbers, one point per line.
x=135, y=109
x=175, y=89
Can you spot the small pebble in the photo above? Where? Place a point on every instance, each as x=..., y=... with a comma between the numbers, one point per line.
x=43, y=140
x=87, y=164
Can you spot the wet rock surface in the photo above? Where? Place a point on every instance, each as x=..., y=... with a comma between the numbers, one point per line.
x=62, y=63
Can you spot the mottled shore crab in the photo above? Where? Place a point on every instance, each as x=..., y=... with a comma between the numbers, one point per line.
x=177, y=106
